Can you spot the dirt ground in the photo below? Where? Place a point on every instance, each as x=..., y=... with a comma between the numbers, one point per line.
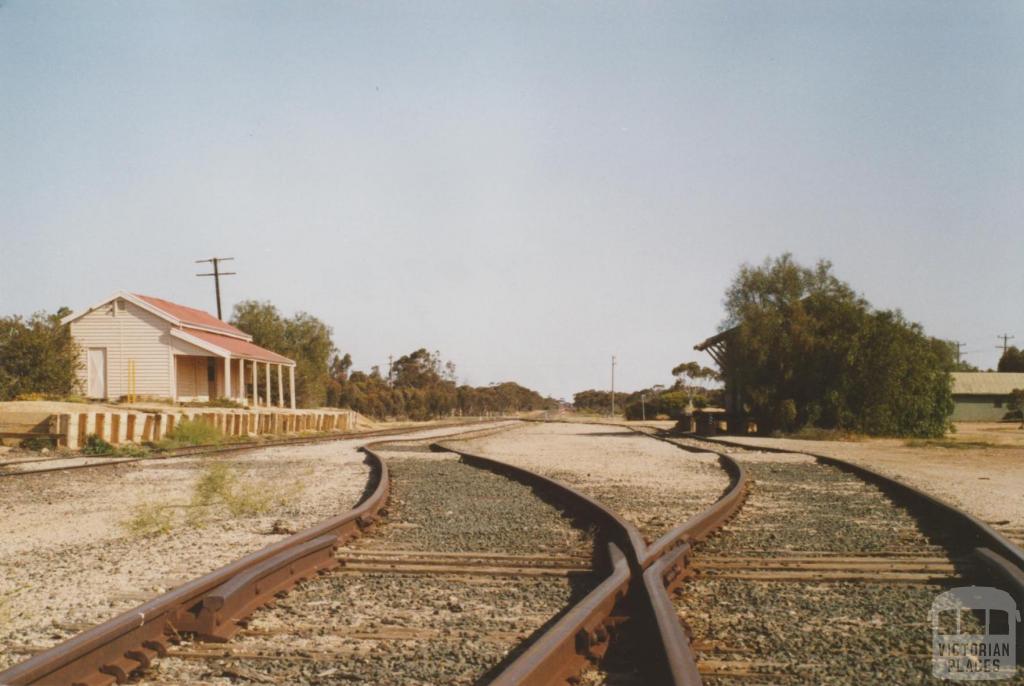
x=979, y=468
x=73, y=549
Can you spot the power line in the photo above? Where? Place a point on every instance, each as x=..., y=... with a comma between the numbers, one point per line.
x=216, y=274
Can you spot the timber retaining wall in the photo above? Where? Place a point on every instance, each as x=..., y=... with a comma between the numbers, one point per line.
x=72, y=429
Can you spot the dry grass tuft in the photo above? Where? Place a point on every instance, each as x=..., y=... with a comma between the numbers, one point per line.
x=149, y=520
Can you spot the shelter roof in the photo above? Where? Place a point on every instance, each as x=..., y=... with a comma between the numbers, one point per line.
x=235, y=347
x=986, y=383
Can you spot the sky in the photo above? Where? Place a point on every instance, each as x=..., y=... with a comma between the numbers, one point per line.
x=528, y=188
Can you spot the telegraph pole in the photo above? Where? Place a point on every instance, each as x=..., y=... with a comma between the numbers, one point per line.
x=613, y=385
x=643, y=407
x=959, y=351
x=391, y=366
x=1006, y=338
x=216, y=274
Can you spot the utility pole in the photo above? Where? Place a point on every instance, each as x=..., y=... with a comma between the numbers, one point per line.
x=643, y=407
x=216, y=274
x=391, y=365
x=613, y=385
x=1006, y=338
x=959, y=351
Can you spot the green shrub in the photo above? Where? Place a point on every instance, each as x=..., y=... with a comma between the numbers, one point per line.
x=192, y=432
x=94, y=445
x=38, y=356
x=36, y=443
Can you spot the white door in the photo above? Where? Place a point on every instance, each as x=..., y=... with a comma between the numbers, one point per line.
x=97, y=366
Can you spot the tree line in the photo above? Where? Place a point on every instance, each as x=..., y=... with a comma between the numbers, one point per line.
x=419, y=385
x=688, y=391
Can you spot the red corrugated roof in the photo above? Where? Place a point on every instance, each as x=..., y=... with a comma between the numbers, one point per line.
x=190, y=315
x=239, y=348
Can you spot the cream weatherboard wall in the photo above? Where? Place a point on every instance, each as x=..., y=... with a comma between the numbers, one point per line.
x=128, y=332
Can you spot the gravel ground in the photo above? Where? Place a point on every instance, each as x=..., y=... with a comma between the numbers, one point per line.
x=649, y=483
x=811, y=632
x=58, y=580
x=394, y=628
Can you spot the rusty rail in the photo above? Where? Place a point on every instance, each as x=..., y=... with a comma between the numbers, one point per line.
x=998, y=556
x=212, y=605
x=209, y=605
x=581, y=635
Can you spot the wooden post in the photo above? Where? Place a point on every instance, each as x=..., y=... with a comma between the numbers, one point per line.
x=241, y=380
x=227, y=377
x=291, y=383
x=83, y=425
x=268, y=385
x=130, y=428
x=115, y=428
x=255, y=385
x=280, y=388
x=64, y=429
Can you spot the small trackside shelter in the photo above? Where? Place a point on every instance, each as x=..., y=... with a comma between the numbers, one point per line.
x=983, y=396
x=138, y=345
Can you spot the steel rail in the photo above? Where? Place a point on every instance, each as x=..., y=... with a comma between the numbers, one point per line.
x=564, y=650
x=666, y=561
x=981, y=533
x=211, y=605
x=994, y=553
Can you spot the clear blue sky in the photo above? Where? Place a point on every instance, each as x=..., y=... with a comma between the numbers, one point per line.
x=528, y=188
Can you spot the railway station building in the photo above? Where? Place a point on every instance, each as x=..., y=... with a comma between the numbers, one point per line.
x=139, y=346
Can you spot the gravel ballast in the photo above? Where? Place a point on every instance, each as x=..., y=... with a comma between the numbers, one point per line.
x=400, y=628
x=647, y=482
x=813, y=631
x=69, y=558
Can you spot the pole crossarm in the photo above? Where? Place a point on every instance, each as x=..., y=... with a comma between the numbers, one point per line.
x=216, y=274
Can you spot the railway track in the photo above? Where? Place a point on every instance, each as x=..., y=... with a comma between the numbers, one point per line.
x=565, y=594
x=464, y=566
x=59, y=463
x=827, y=575
x=506, y=592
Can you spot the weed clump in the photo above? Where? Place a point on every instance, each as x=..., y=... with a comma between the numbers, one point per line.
x=132, y=450
x=94, y=445
x=149, y=520
x=220, y=485
x=36, y=443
